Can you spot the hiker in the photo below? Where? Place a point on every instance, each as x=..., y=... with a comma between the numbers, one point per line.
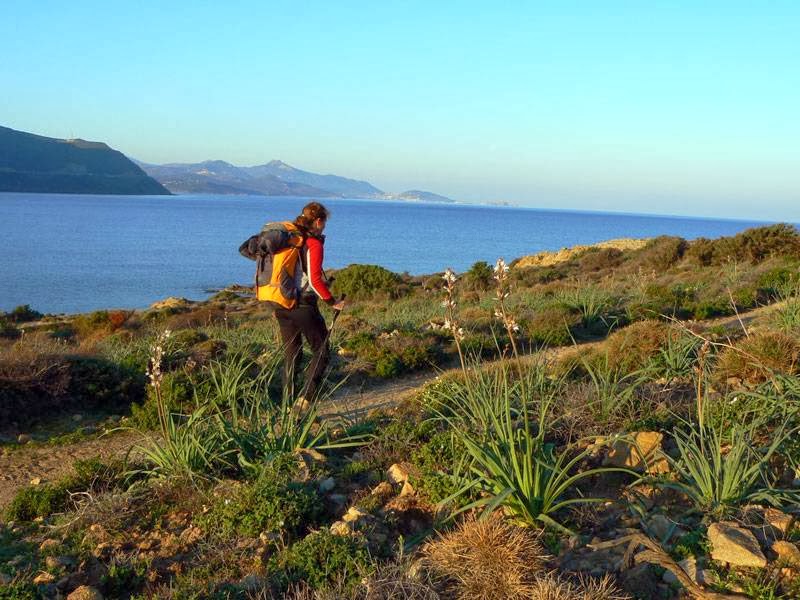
x=304, y=319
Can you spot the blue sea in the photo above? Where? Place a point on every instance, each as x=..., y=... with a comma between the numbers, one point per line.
x=75, y=253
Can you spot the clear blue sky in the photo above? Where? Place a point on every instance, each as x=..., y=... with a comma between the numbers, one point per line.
x=665, y=107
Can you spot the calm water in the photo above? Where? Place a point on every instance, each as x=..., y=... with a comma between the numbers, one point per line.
x=71, y=253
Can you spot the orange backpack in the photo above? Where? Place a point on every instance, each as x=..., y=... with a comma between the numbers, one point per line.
x=276, y=251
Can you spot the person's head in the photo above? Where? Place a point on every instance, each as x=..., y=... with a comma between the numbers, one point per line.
x=313, y=218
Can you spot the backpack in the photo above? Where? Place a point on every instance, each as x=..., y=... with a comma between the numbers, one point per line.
x=276, y=250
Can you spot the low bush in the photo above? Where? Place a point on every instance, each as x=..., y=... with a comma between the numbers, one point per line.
x=600, y=259
x=45, y=499
x=757, y=357
x=361, y=282
x=319, y=560
x=631, y=348
x=393, y=354
x=486, y=559
x=479, y=276
x=7, y=329
x=660, y=254
x=274, y=503
x=204, y=316
x=753, y=245
x=552, y=325
x=177, y=393
x=24, y=314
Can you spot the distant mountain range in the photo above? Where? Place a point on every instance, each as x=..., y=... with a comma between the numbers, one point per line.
x=34, y=163
x=274, y=178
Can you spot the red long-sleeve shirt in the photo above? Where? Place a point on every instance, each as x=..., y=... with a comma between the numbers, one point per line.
x=315, y=278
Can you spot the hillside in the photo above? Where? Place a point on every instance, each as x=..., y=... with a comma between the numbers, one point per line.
x=34, y=163
x=423, y=196
x=220, y=177
x=275, y=178
x=624, y=420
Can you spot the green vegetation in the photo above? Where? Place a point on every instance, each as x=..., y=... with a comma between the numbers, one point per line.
x=242, y=491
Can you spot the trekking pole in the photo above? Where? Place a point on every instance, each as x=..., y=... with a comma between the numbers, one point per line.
x=336, y=314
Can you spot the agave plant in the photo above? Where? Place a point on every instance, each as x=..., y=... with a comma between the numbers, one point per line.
x=511, y=461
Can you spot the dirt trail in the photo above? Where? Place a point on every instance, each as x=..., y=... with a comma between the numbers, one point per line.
x=49, y=463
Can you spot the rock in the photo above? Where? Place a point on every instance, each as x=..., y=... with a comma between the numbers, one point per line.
x=77, y=418
x=787, y=552
x=44, y=578
x=311, y=457
x=327, y=484
x=59, y=562
x=171, y=302
x=734, y=545
x=640, y=581
x=690, y=567
x=85, y=592
x=36, y=481
x=338, y=500
x=23, y=438
x=778, y=520
x=398, y=473
x=661, y=527
x=88, y=430
x=49, y=544
x=340, y=528
x=354, y=514
x=641, y=451
x=252, y=583
x=408, y=489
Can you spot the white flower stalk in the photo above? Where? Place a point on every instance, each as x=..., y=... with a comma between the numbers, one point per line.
x=449, y=304
x=156, y=376
x=502, y=292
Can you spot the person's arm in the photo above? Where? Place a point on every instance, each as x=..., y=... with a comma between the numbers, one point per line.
x=316, y=279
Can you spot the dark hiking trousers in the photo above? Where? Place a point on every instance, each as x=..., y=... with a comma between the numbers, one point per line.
x=303, y=321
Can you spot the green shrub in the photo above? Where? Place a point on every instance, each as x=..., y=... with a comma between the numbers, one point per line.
x=661, y=253
x=632, y=347
x=757, y=357
x=273, y=503
x=23, y=314
x=435, y=460
x=186, y=338
x=43, y=500
x=177, y=393
x=552, y=325
x=776, y=282
x=7, y=329
x=708, y=309
x=320, y=559
x=365, y=281
x=91, y=323
x=396, y=353
x=19, y=591
x=98, y=383
x=597, y=259
x=753, y=245
x=479, y=276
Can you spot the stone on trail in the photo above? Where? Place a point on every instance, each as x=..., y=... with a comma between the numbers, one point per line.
x=641, y=451
x=398, y=473
x=85, y=592
x=734, y=545
x=23, y=438
x=787, y=552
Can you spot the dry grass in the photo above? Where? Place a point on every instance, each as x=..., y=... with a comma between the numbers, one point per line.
x=489, y=559
x=631, y=348
x=754, y=359
x=553, y=587
x=389, y=581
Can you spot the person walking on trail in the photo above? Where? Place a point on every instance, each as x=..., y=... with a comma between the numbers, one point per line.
x=304, y=320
